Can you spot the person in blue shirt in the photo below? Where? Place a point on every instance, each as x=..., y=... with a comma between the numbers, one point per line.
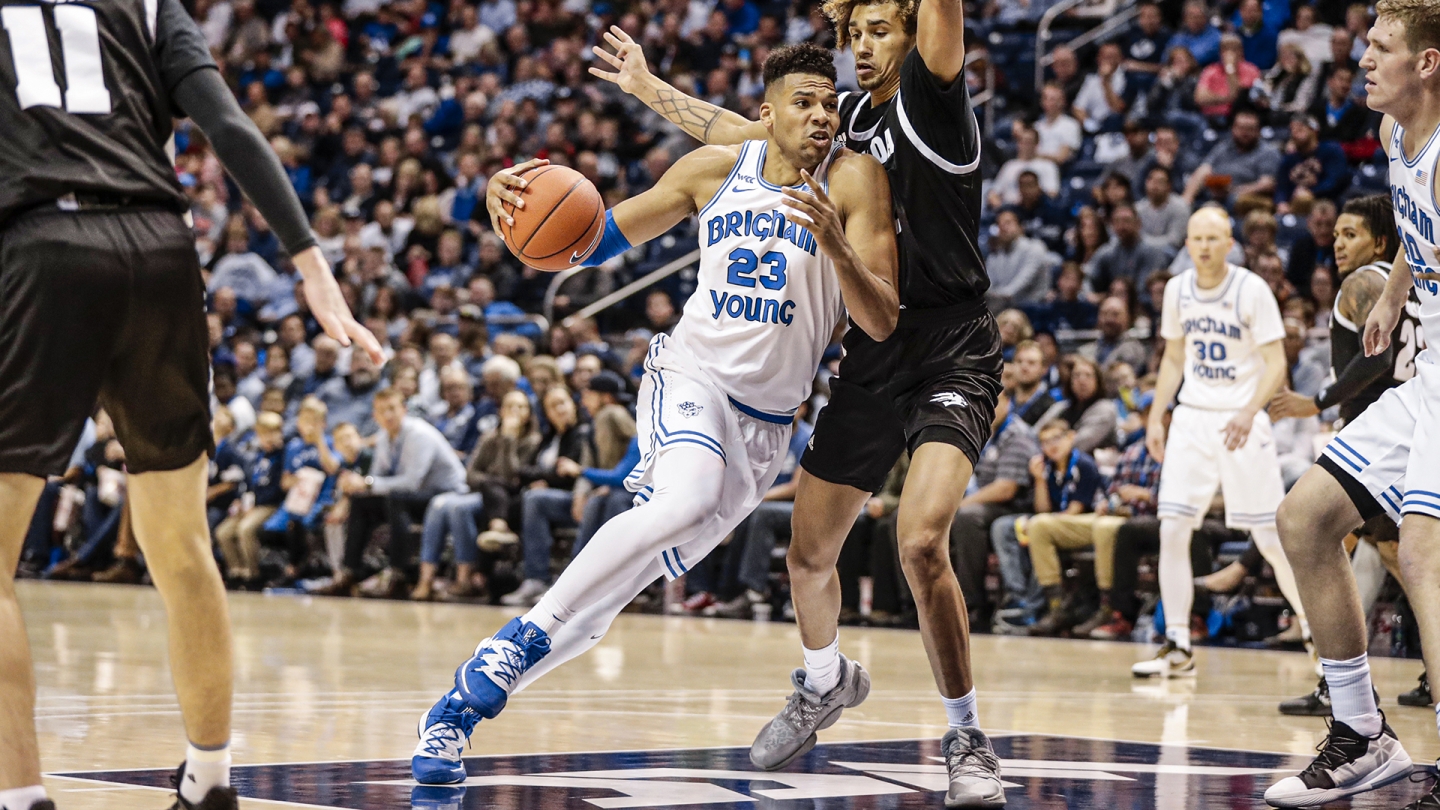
x=1066, y=481
x=239, y=535
x=610, y=497
x=1311, y=167
x=309, y=449
x=1197, y=34
x=227, y=468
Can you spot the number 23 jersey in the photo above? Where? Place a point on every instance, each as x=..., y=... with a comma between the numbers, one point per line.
x=85, y=98
x=1222, y=330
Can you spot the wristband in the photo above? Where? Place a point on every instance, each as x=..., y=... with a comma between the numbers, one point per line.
x=612, y=243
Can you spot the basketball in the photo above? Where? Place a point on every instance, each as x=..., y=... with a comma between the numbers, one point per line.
x=561, y=221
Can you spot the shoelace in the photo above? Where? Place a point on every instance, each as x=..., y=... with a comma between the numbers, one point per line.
x=973, y=760
x=449, y=734
x=508, y=666
x=1334, y=751
x=1431, y=800
x=801, y=709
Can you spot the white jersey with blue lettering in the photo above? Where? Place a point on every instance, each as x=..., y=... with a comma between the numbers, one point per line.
x=1413, y=192
x=1223, y=329
x=767, y=299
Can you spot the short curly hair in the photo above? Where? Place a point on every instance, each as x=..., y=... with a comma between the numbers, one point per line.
x=802, y=58
x=839, y=12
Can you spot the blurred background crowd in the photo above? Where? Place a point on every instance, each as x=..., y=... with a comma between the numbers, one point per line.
x=491, y=443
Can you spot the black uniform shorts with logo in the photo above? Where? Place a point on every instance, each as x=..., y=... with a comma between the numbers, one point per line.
x=937, y=378
x=102, y=305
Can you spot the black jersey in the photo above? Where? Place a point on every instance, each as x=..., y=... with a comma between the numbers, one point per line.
x=85, y=99
x=929, y=141
x=1346, y=344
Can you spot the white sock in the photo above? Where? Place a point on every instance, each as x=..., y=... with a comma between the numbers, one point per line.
x=205, y=769
x=21, y=798
x=1437, y=718
x=1352, y=698
x=822, y=667
x=962, y=711
x=548, y=614
x=1177, y=582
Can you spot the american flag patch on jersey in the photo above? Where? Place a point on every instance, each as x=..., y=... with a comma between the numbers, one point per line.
x=1422, y=177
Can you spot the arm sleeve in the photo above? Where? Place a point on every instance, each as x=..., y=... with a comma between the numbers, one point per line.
x=1360, y=372
x=203, y=95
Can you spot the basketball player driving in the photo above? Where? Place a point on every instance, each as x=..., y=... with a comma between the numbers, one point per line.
x=794, y=230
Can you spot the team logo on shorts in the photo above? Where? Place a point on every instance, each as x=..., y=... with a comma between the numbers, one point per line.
x=689, y=409
x=949, y=399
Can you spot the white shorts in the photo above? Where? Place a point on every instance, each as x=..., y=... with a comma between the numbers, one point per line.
x=1196, y=462
x=1386, y=448
x=680, y=407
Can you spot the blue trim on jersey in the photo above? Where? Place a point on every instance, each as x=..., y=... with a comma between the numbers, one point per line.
x=772, y=418
x=760, y=169
x=1335, y=453
x=1391, y=501
x=675, y=555
x=1420, y=493
x=734, y=170
x=1400, y=144
x=1178, y=508
x=1353, y=451
x=1397, y=492
x=1224, y=288
x=672, y=436
x=665, y=558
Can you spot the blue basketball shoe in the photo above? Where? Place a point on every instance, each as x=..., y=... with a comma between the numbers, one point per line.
x=487, y=679
x=437, y=798
x=482, y=687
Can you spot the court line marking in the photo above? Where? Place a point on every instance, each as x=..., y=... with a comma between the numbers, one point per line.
x=992, y=734
x=244, y=799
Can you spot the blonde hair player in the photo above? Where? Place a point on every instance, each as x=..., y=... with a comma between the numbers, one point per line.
x=1224, y=337
x=1383, y=463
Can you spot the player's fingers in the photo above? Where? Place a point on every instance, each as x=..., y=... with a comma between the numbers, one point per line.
x=332, y=326
x=610, y=58
x=815, y=188
x=802, y=222
x=620, y=32
x=366, y=339
x=615, y=42
x=511, y=197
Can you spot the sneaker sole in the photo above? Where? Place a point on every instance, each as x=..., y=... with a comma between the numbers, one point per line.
x=1394, y=771
x=993, y=800
x=1304, y=712
x=1412, y=703
x=862, y=691
x=1169, y=673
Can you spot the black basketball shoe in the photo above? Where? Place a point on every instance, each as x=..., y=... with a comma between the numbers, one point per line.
x=1420, y=695
x=1315, y=704
x=219, y=798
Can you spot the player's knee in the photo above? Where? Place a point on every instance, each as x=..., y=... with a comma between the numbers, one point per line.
x=1299, y=527
x=1419, y=556
x=804, y=559
x=925, y=553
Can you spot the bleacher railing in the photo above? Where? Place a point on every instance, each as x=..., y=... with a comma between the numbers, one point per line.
x=1112, y=25
x=688, y=260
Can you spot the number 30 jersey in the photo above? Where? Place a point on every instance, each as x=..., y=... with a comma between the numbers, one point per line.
x=1222, y=329
x=1412, y=189
x=767, y=299
x=85, y=98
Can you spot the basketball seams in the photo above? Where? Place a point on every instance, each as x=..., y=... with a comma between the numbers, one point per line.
x=560, y=203
x=509, y=208
x=584, y=236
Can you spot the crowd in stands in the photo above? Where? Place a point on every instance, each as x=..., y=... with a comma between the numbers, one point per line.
x=492, y=442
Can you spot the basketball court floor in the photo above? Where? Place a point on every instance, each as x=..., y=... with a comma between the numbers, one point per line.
x=660, y=714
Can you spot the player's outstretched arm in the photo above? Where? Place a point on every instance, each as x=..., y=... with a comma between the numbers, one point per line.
x=704, y=121
x=645, y=216
x=1358, y=296
x=855, y=227
x=940, y=37
x=243, y=151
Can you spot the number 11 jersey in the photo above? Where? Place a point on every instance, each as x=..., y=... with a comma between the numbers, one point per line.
x=1222, y=329
x=85, y=104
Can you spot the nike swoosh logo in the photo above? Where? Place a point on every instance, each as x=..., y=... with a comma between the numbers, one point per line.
x=601, y=635
x=739, y=190
x=577, y=255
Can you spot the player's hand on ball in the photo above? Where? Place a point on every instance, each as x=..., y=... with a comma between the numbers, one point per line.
x=1379, y=326
x=818, y=215
x=628, y=60
x=328, y=304
x=1237, y=430
x=498, y=191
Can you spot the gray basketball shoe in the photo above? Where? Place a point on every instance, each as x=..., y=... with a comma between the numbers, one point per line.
x=974, y=769
x=793, y=730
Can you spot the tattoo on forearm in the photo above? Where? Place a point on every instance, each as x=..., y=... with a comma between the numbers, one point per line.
x=694, y=116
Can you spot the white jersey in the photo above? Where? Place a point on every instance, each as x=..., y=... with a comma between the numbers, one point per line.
x=1223, y=329
x=767, y=299
x=1413, y=193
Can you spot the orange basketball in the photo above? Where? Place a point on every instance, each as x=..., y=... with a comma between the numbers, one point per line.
x=561, y=221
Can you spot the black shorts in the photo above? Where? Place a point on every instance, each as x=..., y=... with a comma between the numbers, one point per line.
x=107, y=306
x=945, y=378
